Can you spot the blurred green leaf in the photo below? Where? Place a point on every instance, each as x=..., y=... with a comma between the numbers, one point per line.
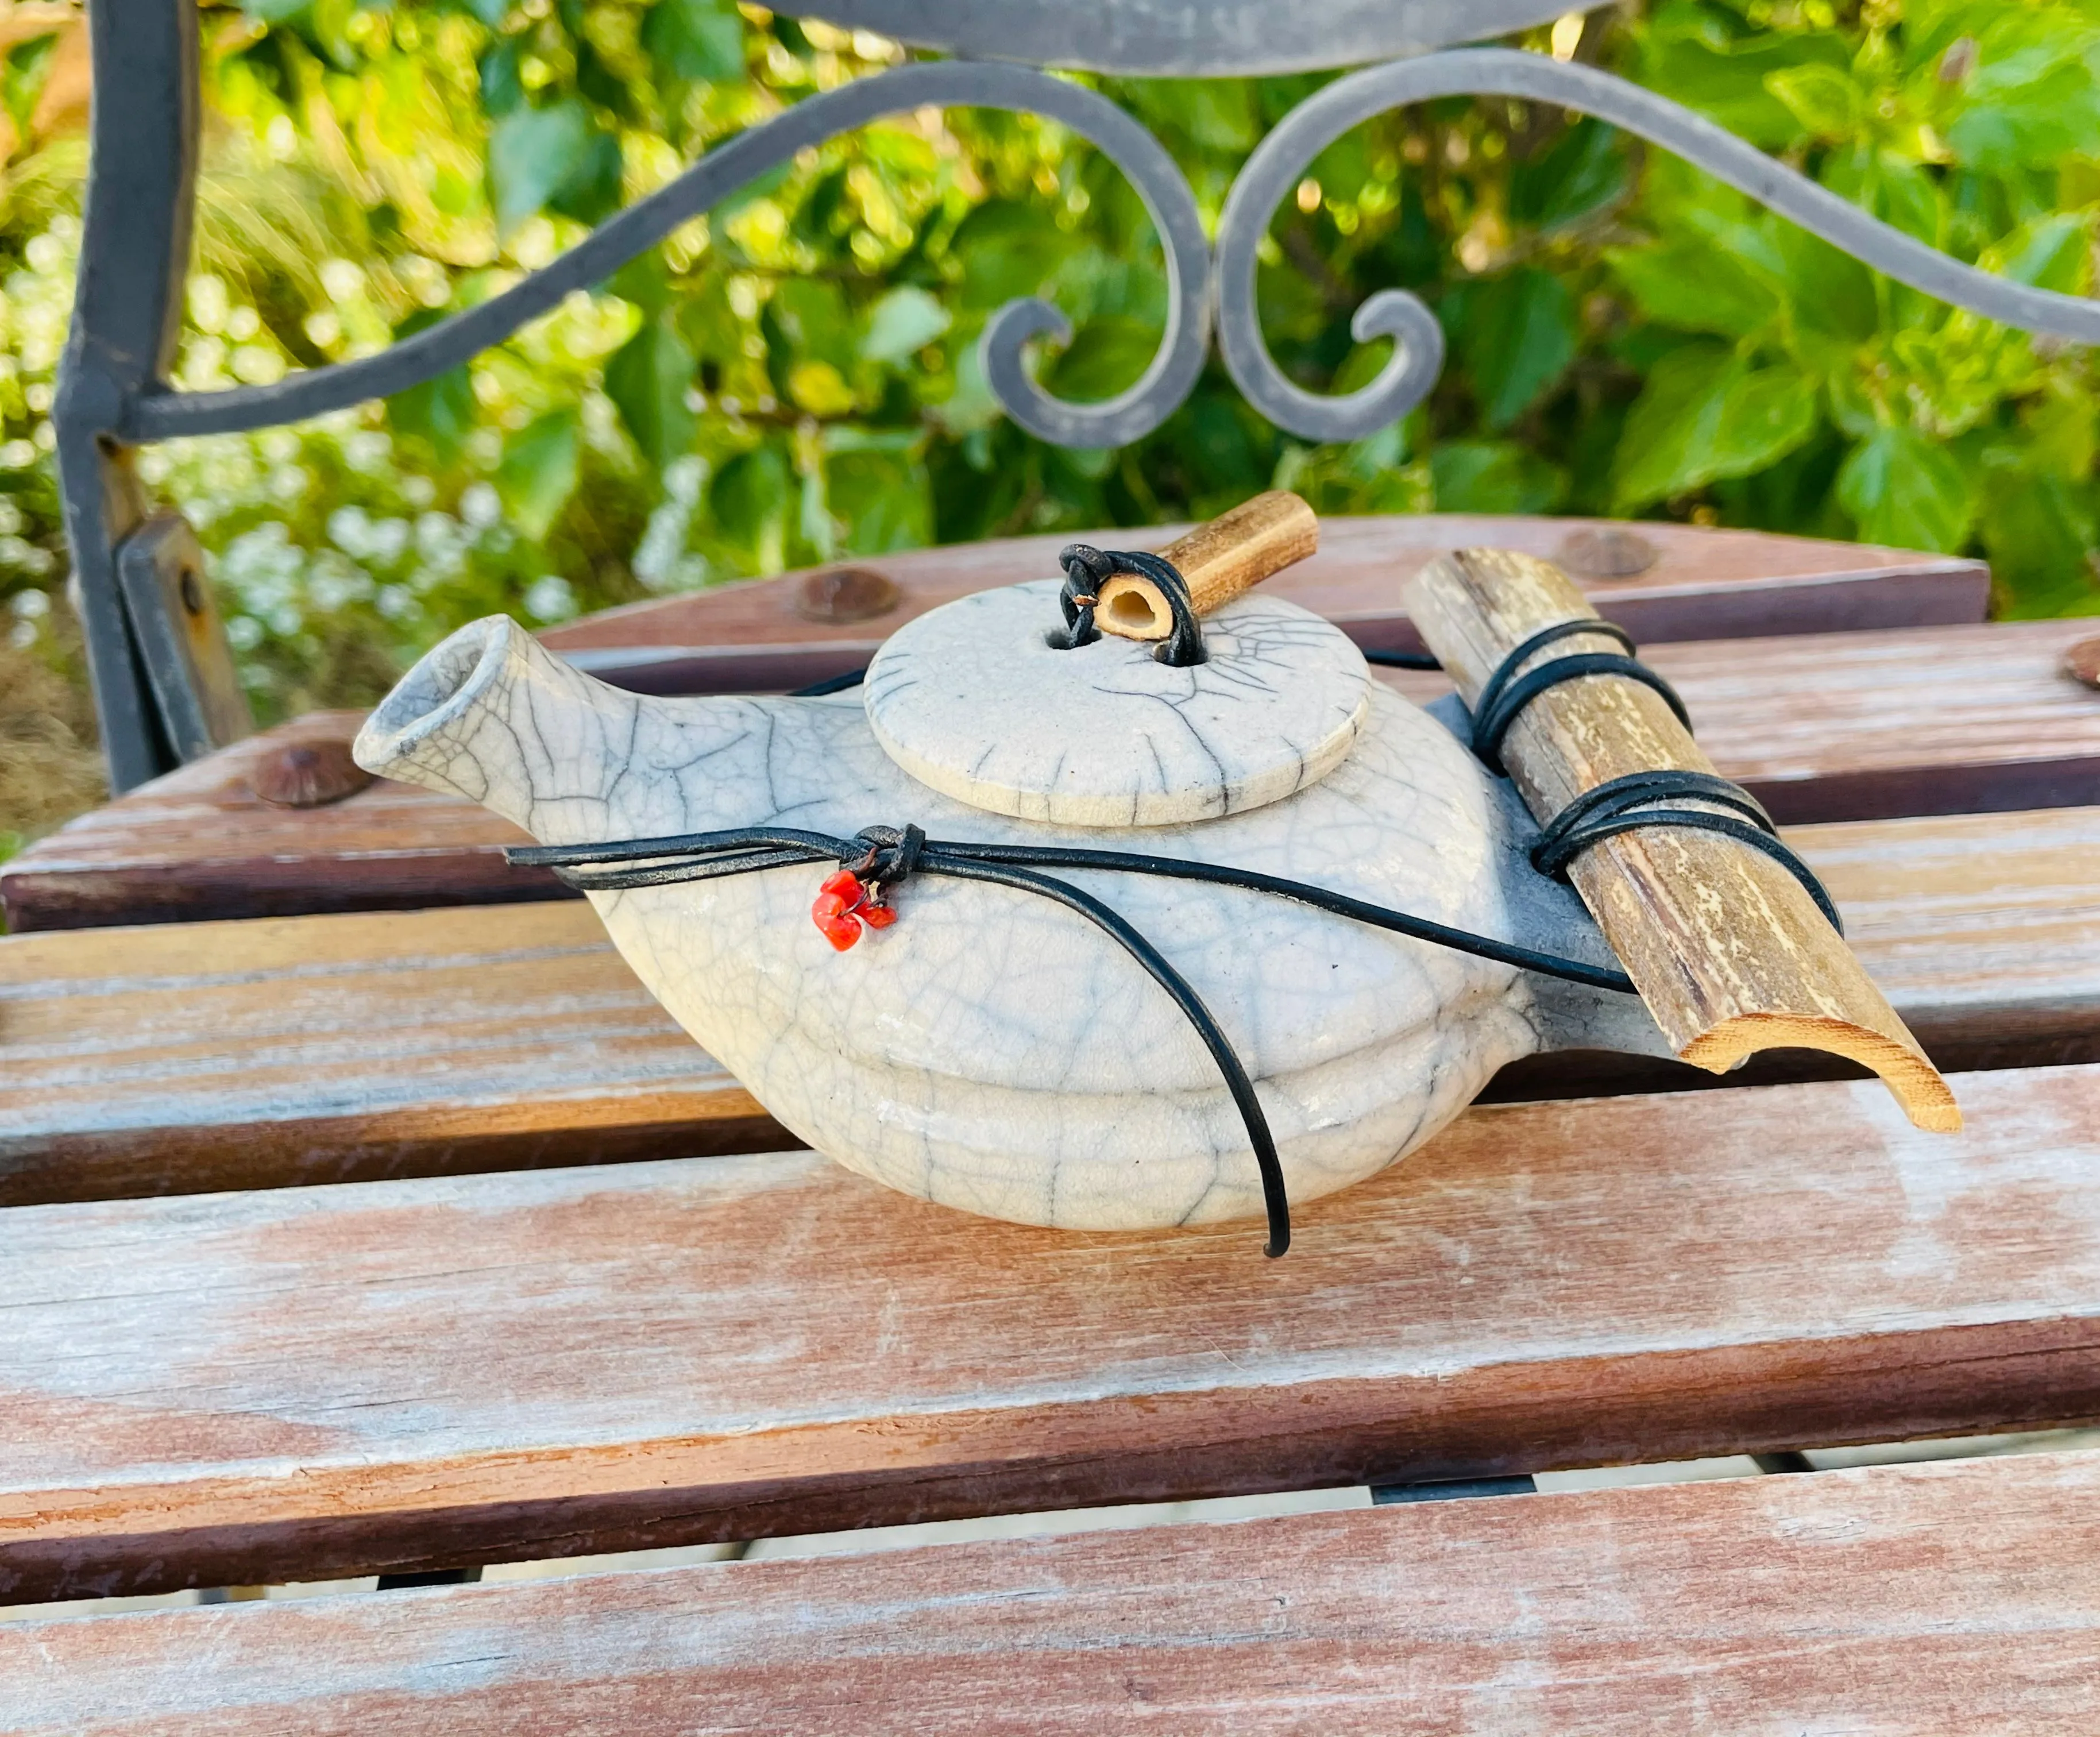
x=1516, y=334
x=1706, y=414
x=1830, y=300
x=647, y=380
x=1492, y=476
x=1585, y=168
x=1823, y=98
x=2029, y=123
x=1696, y=287
x=502, y=89
x=440, y=411
x=1006, y=249
x=23, y=75
x=749, y=497
x=1906, y=491
x=535, y=155
x=812, y=319
x=901, y=324
x=695, y=39
x=1731, y=82
x=2039, y=531
x=539, y=470
x=1105, y=357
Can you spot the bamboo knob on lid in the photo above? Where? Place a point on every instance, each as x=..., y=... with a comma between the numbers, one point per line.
x=1218, y=561
x=1728, y=950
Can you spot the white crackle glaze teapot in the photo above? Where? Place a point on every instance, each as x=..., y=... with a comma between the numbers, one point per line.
x=991, y=1050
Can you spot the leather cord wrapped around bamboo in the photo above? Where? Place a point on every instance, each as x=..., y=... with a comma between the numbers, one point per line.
x=1217, y=562
x=1728, y=950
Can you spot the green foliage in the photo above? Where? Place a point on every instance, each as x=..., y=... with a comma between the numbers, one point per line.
x=794, y=377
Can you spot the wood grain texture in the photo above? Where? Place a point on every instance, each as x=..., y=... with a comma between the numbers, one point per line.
x=293, y=1384
x=1730, y=953
x=204, y=1055
x=1217, y=562
x=1905, y=1600
x=190, y=1057
x=1702, y=584
x=1856, y=726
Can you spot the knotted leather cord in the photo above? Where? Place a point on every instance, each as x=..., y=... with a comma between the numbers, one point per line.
x=884, y=855
x=1505, y=693
x=1088, y=569
x=1624, y=805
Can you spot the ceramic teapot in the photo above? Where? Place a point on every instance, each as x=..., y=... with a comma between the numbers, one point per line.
x=987, y=1049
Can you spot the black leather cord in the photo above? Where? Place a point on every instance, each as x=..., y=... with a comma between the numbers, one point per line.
x=1505, y=693
x=1087, y=569
x=885, y=855
x=1624, y=805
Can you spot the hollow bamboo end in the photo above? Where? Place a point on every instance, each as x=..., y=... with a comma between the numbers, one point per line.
x=1913, y=1082
x=1230, y=554
x=1132, y=608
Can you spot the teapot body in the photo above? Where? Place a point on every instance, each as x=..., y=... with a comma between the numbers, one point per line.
x=992, y=1051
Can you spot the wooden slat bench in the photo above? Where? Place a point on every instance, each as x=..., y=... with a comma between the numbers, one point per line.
x=297, y=1383
x=1908, y=1601
x=1840, y=727
x=193, y=1056
x=394, y=1341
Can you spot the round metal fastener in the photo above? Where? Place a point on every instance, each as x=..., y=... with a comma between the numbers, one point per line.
x=836, y=595
x=2081, y=662
x=1606, y=552
x=308, y=775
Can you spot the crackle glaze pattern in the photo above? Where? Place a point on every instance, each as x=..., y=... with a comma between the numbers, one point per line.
x=991, y=1050
x=974, y=699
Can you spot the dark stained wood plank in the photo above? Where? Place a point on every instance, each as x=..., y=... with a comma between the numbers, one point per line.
x=190, y=1057
x=296, y=1383
x=1836, y=727
x=1701, y=585
x=1906, y=1601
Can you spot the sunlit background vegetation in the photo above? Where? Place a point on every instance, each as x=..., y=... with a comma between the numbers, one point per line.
x=795, y=377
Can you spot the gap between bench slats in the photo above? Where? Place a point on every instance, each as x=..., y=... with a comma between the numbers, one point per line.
x=1837, y=727
x=1910, y=1601
x=191, y=1057
x=301, y=1383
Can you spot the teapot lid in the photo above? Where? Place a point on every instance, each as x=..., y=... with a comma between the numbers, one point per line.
x=980, y=700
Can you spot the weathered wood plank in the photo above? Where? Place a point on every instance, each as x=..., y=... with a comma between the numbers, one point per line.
x=195, y=1057
x=206, y=1055
x=296, y=1383
x=1850, y=726
x=1700, y=584
x=1908, y=1601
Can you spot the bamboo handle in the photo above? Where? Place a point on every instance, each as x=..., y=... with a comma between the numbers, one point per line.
x=1728, y=949
x=1219, y=560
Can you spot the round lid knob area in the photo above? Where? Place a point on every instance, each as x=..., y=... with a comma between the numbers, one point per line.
x=980, y=700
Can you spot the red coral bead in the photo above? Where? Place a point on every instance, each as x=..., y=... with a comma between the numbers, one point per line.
x=841, y=932
x=877, y=916
x=828, y=905
x=847, y=885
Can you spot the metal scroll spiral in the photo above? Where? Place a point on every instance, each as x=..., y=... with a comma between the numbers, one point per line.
x=1135, y=413
x=1283, y=156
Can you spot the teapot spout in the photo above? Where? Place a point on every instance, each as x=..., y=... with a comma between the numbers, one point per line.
x=492, y=715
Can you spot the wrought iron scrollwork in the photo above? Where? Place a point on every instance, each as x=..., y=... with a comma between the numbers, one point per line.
x=1282, y=157
x=161, y=415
